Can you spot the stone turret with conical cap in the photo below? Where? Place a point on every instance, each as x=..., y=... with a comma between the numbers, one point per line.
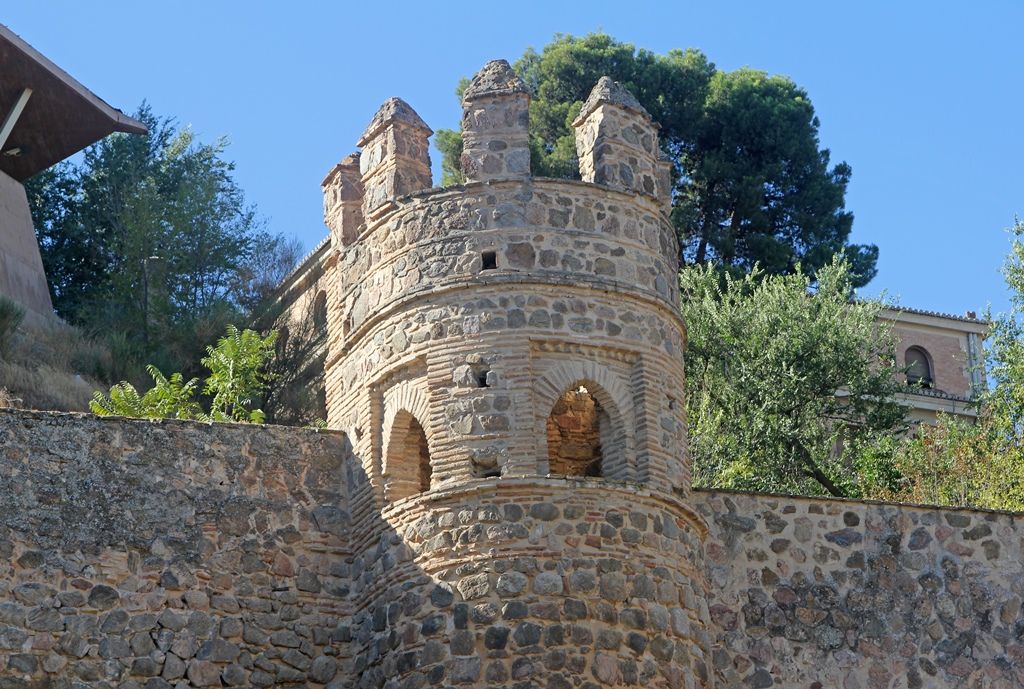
x=495, y=125
x=617, y=143
x=505, y=357
x=395, y=159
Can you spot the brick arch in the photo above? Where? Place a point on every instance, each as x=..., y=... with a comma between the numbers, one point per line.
x=320, y=310
x=405, y=410
x=619, y=453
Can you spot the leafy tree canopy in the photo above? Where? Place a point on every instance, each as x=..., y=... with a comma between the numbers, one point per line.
x=753, y=186
x=150, y=238
x=766, y=357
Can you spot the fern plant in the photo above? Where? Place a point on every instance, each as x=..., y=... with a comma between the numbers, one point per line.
x=236, y=378
x=169, y=398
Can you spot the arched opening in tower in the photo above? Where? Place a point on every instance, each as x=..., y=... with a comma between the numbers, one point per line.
x=407, y=467
x=574, y=432
x=417, y=452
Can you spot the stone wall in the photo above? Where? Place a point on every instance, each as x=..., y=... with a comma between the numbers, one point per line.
x=142, y=553
x=158, y=554
x=532, y=582
x=828, y=594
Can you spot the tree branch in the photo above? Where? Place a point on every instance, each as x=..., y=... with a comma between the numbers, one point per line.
x=812, y=470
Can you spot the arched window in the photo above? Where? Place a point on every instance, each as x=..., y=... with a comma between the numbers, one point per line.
x=407, y=468
x=919, y=371
x=320, y=310
x=584, y=422
x=577, y=430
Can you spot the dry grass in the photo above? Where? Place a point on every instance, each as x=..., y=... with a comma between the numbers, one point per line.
x=51, y=369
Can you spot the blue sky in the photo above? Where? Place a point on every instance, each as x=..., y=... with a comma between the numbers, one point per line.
x=923, y=100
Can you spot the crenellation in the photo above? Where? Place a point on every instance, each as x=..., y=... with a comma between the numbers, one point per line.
x=617, y=144
x=343, y=201
x=505, y=498
x=395, y=156
x=495, y=125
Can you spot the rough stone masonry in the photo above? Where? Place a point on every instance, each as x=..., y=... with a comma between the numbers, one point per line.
x=504, y=499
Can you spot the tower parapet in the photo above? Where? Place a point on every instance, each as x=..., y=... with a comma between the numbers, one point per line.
x=617, y=144
x=495, y=125
x=343, y=201
x=506, y=360
x=395, y=159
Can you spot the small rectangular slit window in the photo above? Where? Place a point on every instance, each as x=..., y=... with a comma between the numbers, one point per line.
x=489, y=260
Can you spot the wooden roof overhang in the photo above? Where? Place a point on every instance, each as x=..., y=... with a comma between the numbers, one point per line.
x=53, y=115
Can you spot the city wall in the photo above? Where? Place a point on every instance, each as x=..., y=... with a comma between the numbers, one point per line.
x=817, y=593
x=139, y=553
x=155, y=554
x=506, y=501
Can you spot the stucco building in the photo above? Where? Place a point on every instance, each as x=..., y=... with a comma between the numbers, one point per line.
x=945, y=358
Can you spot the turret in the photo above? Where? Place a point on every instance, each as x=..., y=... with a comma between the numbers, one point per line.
x=617, y=143
x=343, y=201
x=495, y=125
x=395, y=159
x=509, y=374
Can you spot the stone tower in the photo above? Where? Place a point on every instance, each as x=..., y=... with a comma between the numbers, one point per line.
x=505, y=358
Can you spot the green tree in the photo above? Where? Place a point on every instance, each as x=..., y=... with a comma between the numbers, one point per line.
x=237, y=376
x=72, y=256
x=151, y=238
x=756, y=187
x=789, y=388
x=1005, y=398
x=449, y=143
x=673, y=89
x=958, y=463
x=753, y=185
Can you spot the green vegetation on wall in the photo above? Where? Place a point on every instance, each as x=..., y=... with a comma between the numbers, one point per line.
x=237, y=377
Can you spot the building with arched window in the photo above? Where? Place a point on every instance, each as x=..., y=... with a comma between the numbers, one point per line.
x=943, y=358
x=504, y=499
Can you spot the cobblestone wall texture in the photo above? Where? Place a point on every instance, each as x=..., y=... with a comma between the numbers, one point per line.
x=154, y=554
x=822, y=594
x=142, y=554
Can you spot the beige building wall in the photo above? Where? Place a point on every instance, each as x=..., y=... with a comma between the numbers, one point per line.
x=953, y=347
x=21, y=269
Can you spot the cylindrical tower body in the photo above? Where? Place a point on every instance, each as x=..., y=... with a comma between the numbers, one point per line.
x=506, y=359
